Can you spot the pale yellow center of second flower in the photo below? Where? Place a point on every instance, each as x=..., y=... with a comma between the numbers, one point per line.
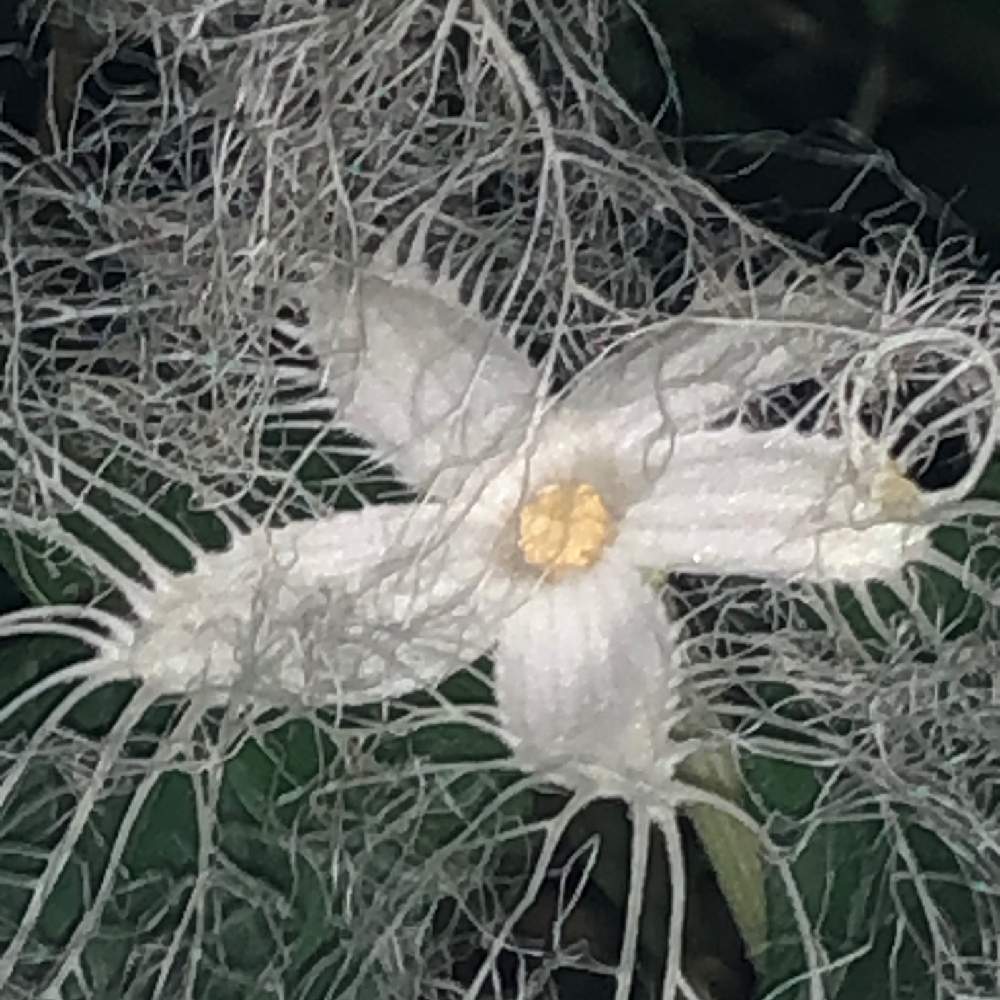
x=898, y=495
x=564, y=526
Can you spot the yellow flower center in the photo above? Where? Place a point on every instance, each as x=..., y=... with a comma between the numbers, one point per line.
x=898, y=496
x=564, y=526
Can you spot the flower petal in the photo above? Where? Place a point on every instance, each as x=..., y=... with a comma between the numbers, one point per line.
x=354, y=607
x=429, y=382
x=780, y=503
x=583, y=670
x=696, y=374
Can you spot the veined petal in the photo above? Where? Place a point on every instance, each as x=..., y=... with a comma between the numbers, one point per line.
x=778, y=503
x=354, y=607
x=429, y=382
x=583, y=670
x=696, y=373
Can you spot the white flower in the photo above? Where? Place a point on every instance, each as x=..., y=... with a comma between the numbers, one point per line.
x=540, y=524
x=560, y=509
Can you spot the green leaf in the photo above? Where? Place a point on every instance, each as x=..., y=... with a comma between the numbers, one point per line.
x=165, y=836
x=852, y=874
x=43, y=575
x=837, y=868
x=26, y=660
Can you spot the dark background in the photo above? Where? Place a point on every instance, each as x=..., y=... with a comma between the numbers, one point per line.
x=918, y=80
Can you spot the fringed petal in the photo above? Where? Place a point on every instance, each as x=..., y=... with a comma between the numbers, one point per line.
x=354, y=607
x=583, y=670
x=698, y=373
x=779, y=503
x=432, y=385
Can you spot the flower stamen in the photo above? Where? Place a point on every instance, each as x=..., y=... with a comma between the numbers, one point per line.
x=897, y=494
x=564, y=526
